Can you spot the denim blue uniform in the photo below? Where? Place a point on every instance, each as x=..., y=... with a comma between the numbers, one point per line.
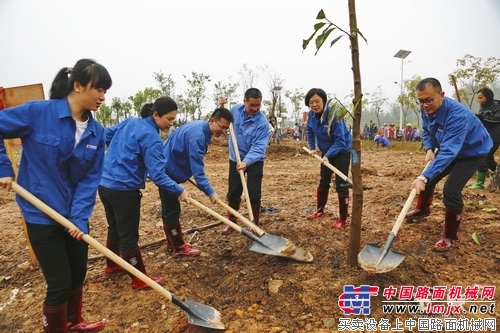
x=62, y=175
x=458, y=134
x=185, y=150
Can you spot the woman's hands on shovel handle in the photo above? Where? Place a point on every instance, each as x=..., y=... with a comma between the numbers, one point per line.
x=6, y=182
x=419, y=183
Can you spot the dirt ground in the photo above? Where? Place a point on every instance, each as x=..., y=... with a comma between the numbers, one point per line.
x=255, y=292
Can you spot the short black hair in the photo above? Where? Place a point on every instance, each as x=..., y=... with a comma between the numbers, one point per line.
x=253, y=93
x=222, y=113
x=434, y=83
x=315, y=91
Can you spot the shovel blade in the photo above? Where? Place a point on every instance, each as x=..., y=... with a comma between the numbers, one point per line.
x=370, y=259
x=203, y=315
x=279, y=246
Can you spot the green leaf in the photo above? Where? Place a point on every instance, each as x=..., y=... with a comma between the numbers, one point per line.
x=320, y=40
x=318, y=26
x=476, y=238
x=490, y=209
x=335, y=40
x=321, y=15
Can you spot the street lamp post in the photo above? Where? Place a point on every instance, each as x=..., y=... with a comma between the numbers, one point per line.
x=401, y=54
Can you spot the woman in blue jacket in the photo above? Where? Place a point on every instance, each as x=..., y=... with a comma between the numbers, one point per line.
x=135, y=151
x=332, y=138
x=61, y=164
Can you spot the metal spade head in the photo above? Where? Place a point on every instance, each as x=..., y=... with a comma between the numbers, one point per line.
x=279, y=246
x=373, y=259
x=203, y=315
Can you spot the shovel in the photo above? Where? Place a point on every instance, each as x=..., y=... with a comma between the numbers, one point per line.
x=277, y=246
x=331, y=167
x=242, y=174
x=198, y=314
x=265, y=243
x=376, y=260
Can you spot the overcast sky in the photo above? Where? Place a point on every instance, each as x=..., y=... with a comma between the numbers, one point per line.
x=134, y=39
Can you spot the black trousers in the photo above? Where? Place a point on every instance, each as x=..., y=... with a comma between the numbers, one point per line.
x=62, y=258
x=254, y=173
x=459, y=172
x=170, y=207
x=342, y=162
x=123, y=213
x=489, y=160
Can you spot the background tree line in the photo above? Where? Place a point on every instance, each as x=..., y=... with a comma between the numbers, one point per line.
x=472, y=73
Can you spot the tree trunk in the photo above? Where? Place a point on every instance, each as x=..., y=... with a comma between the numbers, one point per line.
x=357, y=191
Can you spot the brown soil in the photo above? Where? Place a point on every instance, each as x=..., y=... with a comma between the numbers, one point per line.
x=255, y=292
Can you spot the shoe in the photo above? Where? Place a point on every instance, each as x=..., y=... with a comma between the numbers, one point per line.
x=84, y=326
x=338, y=224
x=444, y=244
x=138, y=284
x=227, y=230
x=416, y=213
x=113, y=269
x=317, y=214
x=186, y=250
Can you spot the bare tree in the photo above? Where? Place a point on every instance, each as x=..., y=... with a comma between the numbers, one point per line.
x=352, y=34
x=274, y=83
x=248, y=77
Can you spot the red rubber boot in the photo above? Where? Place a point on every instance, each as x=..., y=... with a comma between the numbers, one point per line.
x=54, y=318
x=236, y=206
x=135, y=259
x=423, y=207
x=174, y=235
x=343, y=211
x=75, y=321
x=452, y=220
x=111, y=266
x=321, y=199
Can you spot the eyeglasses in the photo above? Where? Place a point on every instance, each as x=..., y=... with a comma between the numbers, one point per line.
x=427, y=101
x=224, y=128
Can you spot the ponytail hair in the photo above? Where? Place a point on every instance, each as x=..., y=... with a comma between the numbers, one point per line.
x=85, y=71
x=162, y=106
x=147, y=110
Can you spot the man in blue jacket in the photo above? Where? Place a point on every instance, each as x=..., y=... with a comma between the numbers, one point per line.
x=251, y=129
x=185, y=150
x=462, y=143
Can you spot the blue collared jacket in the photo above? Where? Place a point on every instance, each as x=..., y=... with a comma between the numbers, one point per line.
x=252, y=135
x=185, y=150
x=457, y=132
x=135, y=150
x=328, y=133
x=62, y=175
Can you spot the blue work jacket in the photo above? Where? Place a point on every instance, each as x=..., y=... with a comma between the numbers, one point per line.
x=329, y=134
x=252, y=135
x=135, y=150
x=52, y=168
x=457, y=132
x=185, y=150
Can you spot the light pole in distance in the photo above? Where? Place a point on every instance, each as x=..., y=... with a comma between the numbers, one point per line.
x=401, y=54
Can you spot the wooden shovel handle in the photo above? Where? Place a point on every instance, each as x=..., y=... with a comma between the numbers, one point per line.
x=407, y=205
x=89, y=240
x=216, y=215
x=233, y=211
x=330, y=166
x=242, y=174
